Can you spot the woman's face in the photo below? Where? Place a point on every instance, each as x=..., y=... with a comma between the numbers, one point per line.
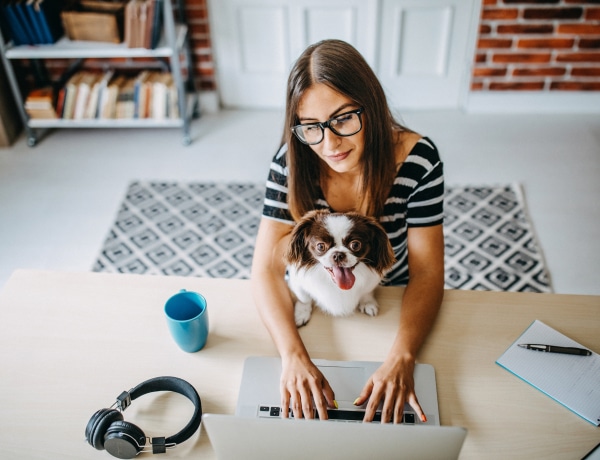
x=320, y=103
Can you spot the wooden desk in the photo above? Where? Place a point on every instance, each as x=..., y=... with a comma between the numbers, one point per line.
x=70, y=343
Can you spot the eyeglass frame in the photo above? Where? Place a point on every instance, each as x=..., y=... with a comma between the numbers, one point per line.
x=327, y=124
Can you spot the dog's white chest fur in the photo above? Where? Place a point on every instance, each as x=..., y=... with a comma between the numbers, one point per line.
x=315, y=285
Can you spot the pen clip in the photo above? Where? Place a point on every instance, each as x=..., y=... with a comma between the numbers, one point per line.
x=533, y=346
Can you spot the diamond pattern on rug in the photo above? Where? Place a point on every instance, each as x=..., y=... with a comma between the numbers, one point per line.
x=185, y=229
x=208, y=229
x=490, y=242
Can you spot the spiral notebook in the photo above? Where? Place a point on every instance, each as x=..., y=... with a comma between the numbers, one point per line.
x=573, y=381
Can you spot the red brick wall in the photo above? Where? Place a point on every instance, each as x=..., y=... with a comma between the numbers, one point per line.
x=197, y=18
x=538, y=45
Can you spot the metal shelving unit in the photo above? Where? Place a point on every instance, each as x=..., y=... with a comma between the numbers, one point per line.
x=174, y=43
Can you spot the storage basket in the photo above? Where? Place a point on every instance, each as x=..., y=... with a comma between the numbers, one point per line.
x=95, y=21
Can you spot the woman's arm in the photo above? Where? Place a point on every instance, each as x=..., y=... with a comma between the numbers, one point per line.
x=393, y=382
x=301, y=381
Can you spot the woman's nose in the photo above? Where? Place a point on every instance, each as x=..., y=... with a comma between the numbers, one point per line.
x=330, y=139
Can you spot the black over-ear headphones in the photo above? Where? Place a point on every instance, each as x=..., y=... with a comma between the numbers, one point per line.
x=107, y=429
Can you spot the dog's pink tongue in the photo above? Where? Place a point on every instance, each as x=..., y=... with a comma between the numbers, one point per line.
x=343, y=277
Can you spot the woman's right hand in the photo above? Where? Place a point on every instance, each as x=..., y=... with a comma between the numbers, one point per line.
x=304, y=388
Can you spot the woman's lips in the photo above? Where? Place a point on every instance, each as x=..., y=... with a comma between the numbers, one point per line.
x=338, y=156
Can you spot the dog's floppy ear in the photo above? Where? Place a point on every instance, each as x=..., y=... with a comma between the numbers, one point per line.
x=381, y=254
x=297, y=251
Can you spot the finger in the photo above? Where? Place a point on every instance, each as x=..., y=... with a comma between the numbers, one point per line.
x=306, y=403
x=329, y=394
x=324, y=397
x=374, y=399
x=364, y=394
x=388, y=407
x=296, y=404
x=399, y=408
x=414, y=403
x=285, y=403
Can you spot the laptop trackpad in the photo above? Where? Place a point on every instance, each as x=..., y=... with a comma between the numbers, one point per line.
x=346, y=382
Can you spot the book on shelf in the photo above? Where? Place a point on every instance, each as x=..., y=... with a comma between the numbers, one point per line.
x=91, y=110
x=148, y=24
x=60, y=101
x=159, y=95
x=157, y=20
x=109, y=108
x=68, y=106
x=103, y=93
x=125, y=106
x=84, y=90
x=40, y=103
x=140, y=94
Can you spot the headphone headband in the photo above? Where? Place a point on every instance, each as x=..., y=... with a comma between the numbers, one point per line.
x=176, y=385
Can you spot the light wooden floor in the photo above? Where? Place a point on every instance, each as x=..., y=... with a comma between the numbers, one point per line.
x=58, y=199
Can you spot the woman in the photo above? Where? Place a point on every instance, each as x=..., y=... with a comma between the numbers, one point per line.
x=343, y=150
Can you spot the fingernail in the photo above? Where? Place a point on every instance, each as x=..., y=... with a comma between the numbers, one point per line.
x=423, y=418
x=355, y=401
x=335, y=404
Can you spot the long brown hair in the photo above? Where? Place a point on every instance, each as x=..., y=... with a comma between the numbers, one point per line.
x=341, y=67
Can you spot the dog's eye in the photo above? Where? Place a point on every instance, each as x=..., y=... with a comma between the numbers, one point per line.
x=321, y=247
x=355, y=245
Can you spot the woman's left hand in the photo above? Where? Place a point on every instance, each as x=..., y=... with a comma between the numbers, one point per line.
x=393, y=385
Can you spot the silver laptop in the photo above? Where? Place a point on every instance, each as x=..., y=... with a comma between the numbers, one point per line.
x=254, y=434
x=259, y=394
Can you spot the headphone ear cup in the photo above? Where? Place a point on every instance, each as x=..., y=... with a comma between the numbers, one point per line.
x=98, y=424
x=124, y=440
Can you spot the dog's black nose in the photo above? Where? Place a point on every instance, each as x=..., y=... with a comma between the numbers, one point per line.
x=339, y=257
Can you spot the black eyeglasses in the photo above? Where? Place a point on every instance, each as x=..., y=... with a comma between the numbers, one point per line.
x=346, y=124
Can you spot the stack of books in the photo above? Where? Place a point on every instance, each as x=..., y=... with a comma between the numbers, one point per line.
x=32, y=22
x=104, y=95
x=40, y=104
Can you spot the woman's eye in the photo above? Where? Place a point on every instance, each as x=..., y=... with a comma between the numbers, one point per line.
x=343, y=118
x=355, y=245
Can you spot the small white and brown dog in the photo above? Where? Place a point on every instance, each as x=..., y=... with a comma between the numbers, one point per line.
x=336, y=260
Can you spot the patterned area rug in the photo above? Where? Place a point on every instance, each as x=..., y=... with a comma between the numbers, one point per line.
x=208, y=229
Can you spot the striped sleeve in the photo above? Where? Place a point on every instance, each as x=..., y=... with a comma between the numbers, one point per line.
x=275, y=205
x=416, y=200
x=425, y=205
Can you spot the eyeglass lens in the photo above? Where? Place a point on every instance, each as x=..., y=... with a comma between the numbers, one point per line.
x=344, y=125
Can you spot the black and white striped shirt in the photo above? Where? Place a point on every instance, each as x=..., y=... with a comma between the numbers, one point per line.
x=416, y=199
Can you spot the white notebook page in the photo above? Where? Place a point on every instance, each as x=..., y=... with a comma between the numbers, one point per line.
x=572, y=380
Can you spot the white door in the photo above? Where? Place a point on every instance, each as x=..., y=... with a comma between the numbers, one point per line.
x=411, y=45
x=426, y=50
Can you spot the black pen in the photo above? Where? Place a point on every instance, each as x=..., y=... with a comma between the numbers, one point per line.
x=555, y=349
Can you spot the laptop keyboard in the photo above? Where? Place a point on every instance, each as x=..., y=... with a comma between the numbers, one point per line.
x=335, y=415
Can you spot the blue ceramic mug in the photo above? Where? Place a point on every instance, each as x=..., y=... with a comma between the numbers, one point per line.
x=187, y=319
